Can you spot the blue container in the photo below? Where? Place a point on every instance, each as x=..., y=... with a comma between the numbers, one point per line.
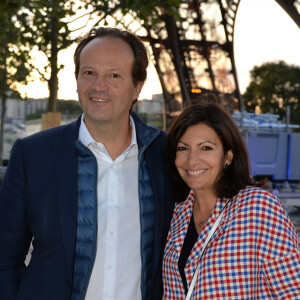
x=293, y=167
x=268, y=154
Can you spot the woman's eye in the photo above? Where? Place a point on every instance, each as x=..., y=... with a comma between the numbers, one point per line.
x=181, y=148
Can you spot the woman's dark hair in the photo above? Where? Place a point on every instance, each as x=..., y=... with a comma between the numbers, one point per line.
x=236, y=175
x=140, y=53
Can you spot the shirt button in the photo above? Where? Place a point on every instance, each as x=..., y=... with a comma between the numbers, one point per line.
x=111, y=233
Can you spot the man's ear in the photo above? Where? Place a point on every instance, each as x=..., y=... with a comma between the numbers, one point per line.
x=137, y=89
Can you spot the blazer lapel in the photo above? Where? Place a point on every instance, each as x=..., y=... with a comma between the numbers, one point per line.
x=66, y=174
x=229, y=212
x=180, y=225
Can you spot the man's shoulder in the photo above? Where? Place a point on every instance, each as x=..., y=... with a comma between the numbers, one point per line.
x=144, y=130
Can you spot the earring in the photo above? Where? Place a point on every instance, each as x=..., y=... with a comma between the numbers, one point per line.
x=225, y=166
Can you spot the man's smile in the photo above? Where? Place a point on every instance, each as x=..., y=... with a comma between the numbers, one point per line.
x=99, y=99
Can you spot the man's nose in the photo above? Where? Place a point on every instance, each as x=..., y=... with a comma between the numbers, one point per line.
x=99, y=83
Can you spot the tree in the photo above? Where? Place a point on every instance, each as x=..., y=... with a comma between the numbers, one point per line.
x=274, y=86
x=12, y=59
x=147, y=12
x=44, y=25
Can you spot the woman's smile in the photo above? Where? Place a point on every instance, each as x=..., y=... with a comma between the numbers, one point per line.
x=196, y=172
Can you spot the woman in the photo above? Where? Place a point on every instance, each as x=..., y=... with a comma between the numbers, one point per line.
x=254, y=252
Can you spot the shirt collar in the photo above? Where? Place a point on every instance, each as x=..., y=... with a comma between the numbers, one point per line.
x=86, y=139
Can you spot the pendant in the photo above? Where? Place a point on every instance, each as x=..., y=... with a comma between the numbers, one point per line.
x=201, y=223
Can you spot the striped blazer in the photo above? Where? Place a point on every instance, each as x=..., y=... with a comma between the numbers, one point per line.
x=254, y=253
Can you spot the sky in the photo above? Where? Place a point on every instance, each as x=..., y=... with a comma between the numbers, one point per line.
x=263, y=33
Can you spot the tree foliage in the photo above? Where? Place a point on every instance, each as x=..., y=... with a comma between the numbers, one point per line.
x=151, y=12
x=146, y=11
x=13, y=56
x=44, y=25
x=273, y=87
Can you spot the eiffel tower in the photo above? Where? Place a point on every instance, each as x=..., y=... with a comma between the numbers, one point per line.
x=194, y=54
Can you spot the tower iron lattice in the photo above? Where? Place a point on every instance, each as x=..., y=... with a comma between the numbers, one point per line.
x=194, y=53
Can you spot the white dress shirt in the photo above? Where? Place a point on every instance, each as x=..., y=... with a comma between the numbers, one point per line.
x=117, y=269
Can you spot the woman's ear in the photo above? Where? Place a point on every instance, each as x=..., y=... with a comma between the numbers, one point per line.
x=229, y=157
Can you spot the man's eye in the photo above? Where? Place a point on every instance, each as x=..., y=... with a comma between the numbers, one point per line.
x=115, y=75
x=207, y=148
x=88, y=72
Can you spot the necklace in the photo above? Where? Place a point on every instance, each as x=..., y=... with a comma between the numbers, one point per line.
x=201, y=223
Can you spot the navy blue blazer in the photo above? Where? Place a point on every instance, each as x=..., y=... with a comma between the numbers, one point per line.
x=38, y=198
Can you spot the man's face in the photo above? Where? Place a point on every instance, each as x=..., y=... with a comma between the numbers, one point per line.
x=104, y=84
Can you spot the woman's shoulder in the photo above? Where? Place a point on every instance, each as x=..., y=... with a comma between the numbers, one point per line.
x=259, y=201
x=252, y=193
x=264, y=213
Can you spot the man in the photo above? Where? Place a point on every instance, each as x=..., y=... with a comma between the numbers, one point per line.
x=93, y=195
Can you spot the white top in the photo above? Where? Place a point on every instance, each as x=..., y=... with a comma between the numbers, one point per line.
x=117, y=269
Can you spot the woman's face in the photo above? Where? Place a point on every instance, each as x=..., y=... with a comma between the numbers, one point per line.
x=200, y=157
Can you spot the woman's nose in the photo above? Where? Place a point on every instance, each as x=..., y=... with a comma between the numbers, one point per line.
x=193, y=157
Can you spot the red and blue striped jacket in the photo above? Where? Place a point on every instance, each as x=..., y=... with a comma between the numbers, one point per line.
x=254, y=253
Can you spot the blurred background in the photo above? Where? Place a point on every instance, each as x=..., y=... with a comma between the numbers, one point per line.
x=246, y=52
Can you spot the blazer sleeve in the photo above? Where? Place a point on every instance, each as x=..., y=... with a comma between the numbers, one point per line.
x=283, y=275
x=15, y=236
x=282, y=270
